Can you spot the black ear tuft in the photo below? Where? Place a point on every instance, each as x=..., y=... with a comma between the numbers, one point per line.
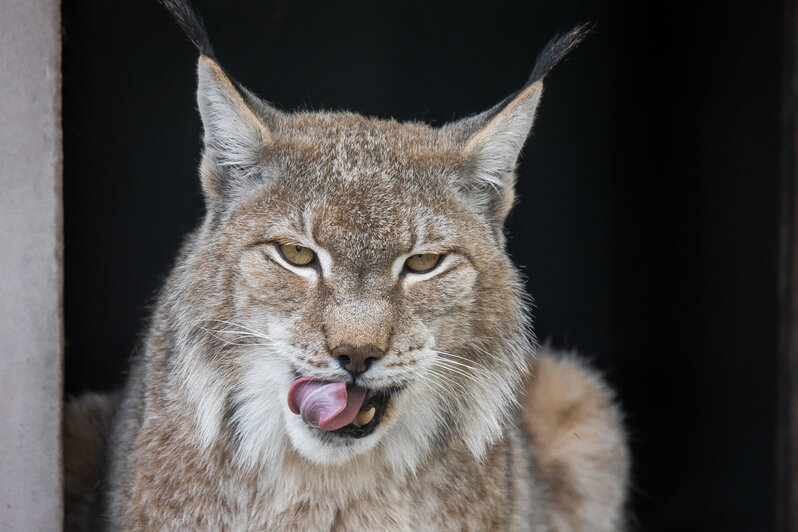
x=492, y=140
x=556, y=49
x=191, y=23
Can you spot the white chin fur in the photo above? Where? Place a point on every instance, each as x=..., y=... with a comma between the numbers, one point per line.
x=418, y=415
x=336, y=451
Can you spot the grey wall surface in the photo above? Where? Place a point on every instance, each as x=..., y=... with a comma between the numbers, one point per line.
x=30, y=265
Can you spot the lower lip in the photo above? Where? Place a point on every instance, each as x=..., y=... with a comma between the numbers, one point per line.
x=352, y=431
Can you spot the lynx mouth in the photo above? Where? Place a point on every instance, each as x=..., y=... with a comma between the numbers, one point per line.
x=375, y=406
x=336, y=407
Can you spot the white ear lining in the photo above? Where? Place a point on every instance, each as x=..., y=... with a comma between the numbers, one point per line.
x=492, y=152
x=234, y=135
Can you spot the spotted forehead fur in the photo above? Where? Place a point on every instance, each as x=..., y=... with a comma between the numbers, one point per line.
x=355, y=183
x=349, y=154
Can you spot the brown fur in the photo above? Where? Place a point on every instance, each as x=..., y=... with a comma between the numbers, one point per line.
x=87, y=423
x=577, y=429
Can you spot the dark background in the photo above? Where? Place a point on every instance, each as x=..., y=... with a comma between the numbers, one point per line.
x=648, y=220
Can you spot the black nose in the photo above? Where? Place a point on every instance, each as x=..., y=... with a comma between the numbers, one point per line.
x=357, y=358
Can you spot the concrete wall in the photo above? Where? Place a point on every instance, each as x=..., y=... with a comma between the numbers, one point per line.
x=31, y=334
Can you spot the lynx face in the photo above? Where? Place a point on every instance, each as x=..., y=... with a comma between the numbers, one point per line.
x=393, y=262
x=349, y=290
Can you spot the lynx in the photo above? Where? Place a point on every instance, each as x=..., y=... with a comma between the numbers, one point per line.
x=344, y=343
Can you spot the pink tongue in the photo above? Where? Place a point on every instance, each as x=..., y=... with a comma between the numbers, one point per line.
x=327, y=405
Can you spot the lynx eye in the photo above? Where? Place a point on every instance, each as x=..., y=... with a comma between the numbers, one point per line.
x=423, y=262
x=296, y=255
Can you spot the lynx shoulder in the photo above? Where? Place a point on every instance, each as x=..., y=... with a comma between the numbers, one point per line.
x=344, y=343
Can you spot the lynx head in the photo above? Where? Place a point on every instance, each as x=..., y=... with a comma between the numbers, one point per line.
x=348, y=293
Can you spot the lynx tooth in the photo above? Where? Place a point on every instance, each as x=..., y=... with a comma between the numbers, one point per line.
x=365, y=417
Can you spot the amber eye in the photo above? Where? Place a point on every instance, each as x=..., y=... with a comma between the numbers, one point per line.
x=297, y=255
x=423, y=262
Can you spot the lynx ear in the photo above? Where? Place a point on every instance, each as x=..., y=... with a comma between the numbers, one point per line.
x=491, y=151
x=492, y=141
x=235, y=136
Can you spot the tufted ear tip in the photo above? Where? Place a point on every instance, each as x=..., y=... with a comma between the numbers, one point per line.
x=236, y=123
x=191, y=24
x=491, y=141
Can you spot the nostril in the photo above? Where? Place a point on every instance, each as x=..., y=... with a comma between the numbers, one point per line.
x=356, y=358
